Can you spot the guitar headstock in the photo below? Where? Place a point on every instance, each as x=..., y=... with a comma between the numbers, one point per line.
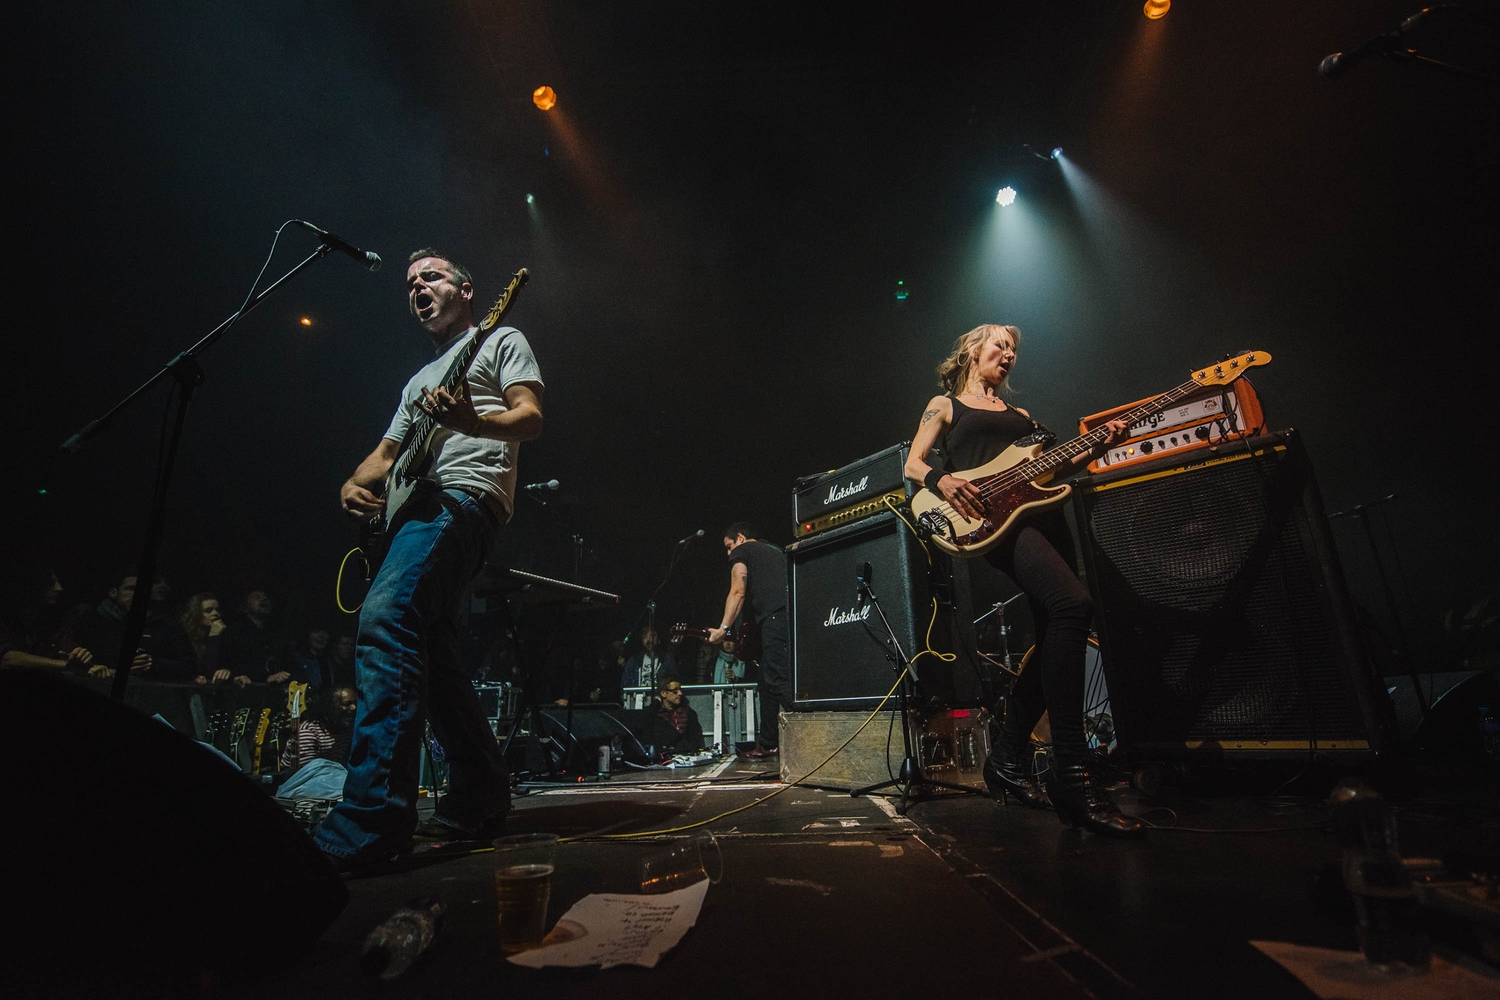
x=503, y=303
x=1230, y=369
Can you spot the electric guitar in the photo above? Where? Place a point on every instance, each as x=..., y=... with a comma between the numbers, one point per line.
x=746, y=638
x=682, y=630
x=414, y=458
x=1015, y=480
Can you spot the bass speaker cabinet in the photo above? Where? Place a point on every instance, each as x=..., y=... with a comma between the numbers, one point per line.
x=1224, y=621
x=840, y=648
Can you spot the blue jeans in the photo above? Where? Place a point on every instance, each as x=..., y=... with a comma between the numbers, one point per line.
x=408, y=673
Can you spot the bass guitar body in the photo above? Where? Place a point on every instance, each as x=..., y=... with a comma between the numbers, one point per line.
x=1005, y=502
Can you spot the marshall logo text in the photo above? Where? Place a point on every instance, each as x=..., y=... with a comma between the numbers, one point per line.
x=836, y=493
x=837, y=617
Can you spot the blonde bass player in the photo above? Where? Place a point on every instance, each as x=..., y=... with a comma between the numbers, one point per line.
x=975, y=424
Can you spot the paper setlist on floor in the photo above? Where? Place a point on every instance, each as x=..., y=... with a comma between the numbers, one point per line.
x=609, y=929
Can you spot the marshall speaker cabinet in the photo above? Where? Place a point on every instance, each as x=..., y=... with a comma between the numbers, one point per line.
x=1224, y=622
x=839, y=644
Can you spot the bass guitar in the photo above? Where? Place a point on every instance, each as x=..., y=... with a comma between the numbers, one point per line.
x=1015, y=481
x=414, y=458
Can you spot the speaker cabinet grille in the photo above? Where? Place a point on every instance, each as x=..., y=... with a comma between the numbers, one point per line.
x=1224, y=621
x=838, y=640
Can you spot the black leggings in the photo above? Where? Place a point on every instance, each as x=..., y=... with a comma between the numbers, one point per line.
x=1053, y=678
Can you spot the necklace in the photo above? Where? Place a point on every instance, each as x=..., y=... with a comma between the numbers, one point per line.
x=980, y=395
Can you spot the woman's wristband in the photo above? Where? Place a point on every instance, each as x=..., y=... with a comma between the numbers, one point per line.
x=932, y=479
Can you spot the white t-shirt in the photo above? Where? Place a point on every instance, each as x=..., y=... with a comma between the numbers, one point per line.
x=504, y=359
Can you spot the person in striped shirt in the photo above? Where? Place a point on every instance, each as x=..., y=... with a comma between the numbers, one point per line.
x=324, y=730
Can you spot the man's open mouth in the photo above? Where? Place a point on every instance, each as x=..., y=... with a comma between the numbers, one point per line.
x=424, y=305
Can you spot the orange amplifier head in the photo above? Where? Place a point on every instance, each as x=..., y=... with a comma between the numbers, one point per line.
x=1201, y=420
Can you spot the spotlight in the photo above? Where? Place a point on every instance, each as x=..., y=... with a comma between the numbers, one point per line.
x=1057, y=153
x=1006, y=196
x=306, y=321
x=544, y=97
x=1157, y=8
x=531, y=199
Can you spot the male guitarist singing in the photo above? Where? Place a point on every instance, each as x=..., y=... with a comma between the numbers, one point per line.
x=407, y=662
x=976, y=425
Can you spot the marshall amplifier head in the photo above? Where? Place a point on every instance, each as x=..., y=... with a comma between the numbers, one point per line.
x=850, y=493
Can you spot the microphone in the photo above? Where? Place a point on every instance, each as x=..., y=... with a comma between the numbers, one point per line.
x=368, y=258
x=862, y=580
x=1334, y=66
x=691, y=538
x=550, y=484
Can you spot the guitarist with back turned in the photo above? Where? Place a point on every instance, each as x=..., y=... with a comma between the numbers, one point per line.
x=407, y=657
x=976, y=425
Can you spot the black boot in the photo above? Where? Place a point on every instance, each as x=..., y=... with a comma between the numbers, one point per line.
x=1079, y=803
x=1004, y=775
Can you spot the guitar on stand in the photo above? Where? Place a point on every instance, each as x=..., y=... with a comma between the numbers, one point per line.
x=1016, y=480
x=414, y=458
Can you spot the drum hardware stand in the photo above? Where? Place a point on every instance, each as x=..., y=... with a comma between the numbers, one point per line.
x=185, y=371
x=998, y=608
x=910, y=779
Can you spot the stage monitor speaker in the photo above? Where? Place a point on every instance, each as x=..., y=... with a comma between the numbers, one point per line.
x=1224, y=621
x=839, y=646
x=136, y=855
x=574, y=743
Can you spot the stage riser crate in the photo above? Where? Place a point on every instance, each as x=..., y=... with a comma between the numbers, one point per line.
x=953, y=746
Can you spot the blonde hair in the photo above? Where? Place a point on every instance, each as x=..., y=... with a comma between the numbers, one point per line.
x=953, y=373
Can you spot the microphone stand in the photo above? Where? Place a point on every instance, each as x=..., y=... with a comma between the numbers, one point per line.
x=910, y=779
x=185, y=371
x=649, y=612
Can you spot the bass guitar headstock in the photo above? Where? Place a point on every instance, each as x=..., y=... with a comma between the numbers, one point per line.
x=1230, y=369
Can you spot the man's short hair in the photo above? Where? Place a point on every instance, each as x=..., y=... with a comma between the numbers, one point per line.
x=665, y=681
x=741, y=528
x=459, y=271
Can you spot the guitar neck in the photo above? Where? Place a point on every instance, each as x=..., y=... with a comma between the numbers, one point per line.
x=423, y=426
x=1065, y=454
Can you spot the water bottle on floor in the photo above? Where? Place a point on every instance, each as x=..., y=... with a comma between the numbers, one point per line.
x=392, y=947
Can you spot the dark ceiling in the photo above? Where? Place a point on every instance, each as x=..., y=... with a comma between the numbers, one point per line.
x=725, y=199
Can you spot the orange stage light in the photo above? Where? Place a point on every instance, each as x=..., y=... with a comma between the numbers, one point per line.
x=306, y=321
x=1157, y=8
x=544, y=97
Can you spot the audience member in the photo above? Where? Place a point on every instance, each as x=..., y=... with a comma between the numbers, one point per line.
x=728, y=667
x=310, y=662
x=250, y=653
x=102, y=630
x=32, y=633
x=324, y=731
x=644, y=668
x=674, y=724
x=341, y=661
x=204, y=628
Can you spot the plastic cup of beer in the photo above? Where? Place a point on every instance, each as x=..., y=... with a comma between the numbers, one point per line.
x=523, y=887
x=689, y=860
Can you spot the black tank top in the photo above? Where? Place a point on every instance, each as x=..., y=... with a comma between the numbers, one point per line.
x=975, y=436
